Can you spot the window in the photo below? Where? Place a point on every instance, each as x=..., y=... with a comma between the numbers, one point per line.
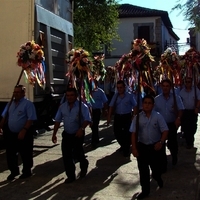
x=144, y=32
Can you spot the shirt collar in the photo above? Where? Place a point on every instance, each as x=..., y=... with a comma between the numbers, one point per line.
x=169, y=95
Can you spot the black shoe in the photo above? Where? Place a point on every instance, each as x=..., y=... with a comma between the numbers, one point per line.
x=174, y=159
x=142, y=195
x=127, y=158
x=25, y=175
x=69, y=180
x=120, y=150
x=84, y=170
x=126, y=155
x=12, y=176
x=160, y=183
x=189, y=146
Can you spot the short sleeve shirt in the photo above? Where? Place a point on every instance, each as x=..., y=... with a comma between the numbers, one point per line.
x=99, y=98
x=166, y=106
x=150, y=129
x=188, y=98
x=19, y=113
x=71, y=117
x=123, y=105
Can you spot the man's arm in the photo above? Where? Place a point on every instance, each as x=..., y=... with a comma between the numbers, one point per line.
x=180, y=111
x=2, y=122
x=110, y=111
x=28, y=124
x=134, y=144
x=178, y=119
x=55, y=130
x=24, y=130
x=160, y=143
x=197, y=107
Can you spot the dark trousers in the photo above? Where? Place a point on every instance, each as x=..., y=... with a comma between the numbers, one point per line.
x=121, y=130
x=189, y=125
x=172, y=142
x=148, y=157
x=23, y=147
x=96, y=114
x=72, y=147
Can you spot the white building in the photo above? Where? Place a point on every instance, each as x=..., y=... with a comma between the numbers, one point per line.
x=138, y=22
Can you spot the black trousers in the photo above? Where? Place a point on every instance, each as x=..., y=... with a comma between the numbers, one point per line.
x=148, y=157
x=96, y=115
x=189, y=125
x=121, y=130
x=72, y=148
x=24, y=147
x=172, y=142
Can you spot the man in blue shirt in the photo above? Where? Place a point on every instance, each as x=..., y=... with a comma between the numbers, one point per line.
x=148, y=136
x=19, y=114
x=124, y=103
x=191, y=100
x=75, y=116
x=170, y=106
x=100, y=102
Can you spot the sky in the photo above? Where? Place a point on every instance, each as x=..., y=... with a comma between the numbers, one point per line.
x=180, y=26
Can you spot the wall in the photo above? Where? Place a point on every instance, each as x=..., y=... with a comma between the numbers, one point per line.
x=168, y=40
x=17, y=22
x=126, y=32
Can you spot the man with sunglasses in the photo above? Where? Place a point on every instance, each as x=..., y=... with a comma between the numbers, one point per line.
x=191, y=99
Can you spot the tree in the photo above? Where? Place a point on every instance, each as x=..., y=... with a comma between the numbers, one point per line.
x=191, y=10
x=95, y=23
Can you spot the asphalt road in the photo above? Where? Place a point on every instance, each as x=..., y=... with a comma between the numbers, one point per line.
x=110, y=176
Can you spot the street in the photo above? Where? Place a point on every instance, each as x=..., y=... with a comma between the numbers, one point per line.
x=110, y=176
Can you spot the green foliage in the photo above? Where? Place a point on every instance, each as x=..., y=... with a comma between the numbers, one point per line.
x=95, y=23
x=191, y=10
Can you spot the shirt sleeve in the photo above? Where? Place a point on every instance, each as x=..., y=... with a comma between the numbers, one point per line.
x=198, y=94
x=104, y=98
x=85, y=113
x=4, y=111
x=113, y=99
x=58, y=117
x=162, y=124
x=31, y=112
x=155, y=108
x=133, y=125
x=179, y=103
x=133, y=101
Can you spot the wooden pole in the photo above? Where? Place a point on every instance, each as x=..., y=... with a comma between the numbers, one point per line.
x=174, y=95
x=195, y=89
x=138, y=108
x=4, y=120
x=80, y=86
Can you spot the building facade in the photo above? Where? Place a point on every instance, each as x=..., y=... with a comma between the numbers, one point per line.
x=138, y=22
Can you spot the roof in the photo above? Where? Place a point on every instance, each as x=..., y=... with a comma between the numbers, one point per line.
x=128, y=10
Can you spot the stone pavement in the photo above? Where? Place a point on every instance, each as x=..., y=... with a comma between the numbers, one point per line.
x=110, y=176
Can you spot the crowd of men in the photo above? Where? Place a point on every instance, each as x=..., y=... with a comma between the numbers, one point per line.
x=143, y=128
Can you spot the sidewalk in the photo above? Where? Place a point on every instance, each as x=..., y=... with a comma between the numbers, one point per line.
x=110, y=176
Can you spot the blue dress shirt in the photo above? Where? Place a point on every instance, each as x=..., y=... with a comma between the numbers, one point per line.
x=125, y=104
x=166, y=106
x=19, y=114
x=70, y=117
x=188, y=98
x=150, y=129
x=99, y=98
